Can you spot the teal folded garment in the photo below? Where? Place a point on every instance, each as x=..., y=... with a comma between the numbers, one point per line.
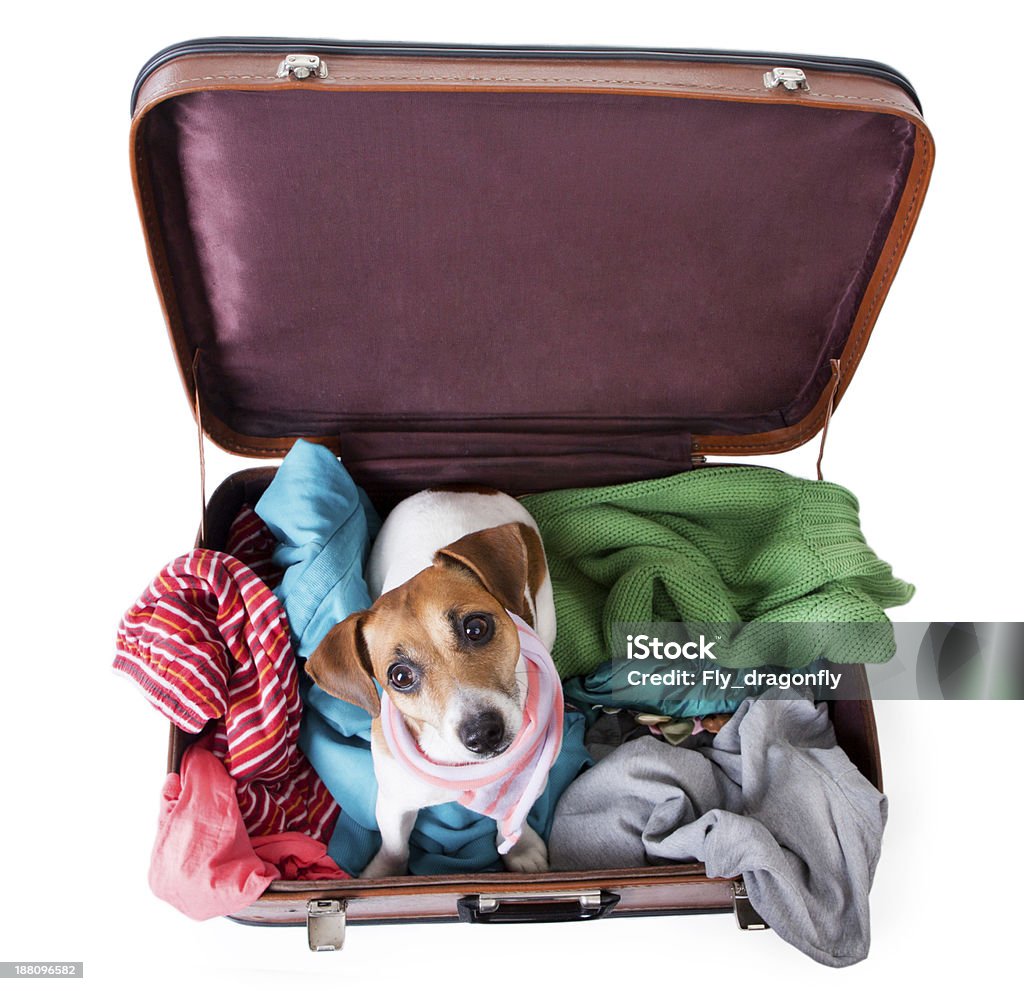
x=325, y=523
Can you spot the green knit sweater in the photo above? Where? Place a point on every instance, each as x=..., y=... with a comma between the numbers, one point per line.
x=719, y=545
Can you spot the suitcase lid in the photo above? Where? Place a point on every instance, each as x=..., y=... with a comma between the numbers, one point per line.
x=520, y=267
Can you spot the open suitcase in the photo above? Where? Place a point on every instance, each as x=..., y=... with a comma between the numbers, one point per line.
x=526, y=268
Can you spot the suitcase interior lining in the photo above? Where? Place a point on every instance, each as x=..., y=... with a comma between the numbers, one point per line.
x=568, y=264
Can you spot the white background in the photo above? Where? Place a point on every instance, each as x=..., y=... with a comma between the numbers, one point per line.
x=100, y=491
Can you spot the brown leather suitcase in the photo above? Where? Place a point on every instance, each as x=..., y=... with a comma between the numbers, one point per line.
x=528, y=268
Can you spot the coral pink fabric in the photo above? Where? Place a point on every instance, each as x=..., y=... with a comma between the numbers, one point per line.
x=204, y=863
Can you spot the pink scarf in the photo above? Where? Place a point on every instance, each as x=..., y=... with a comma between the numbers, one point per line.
x=506, y=786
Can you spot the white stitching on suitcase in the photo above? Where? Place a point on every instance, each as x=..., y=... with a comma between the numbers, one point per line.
x=713, y=87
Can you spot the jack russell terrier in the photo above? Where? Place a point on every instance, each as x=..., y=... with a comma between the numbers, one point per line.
x=459, y=637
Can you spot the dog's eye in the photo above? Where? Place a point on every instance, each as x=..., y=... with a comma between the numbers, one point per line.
x=402, y=677
x=478, y=627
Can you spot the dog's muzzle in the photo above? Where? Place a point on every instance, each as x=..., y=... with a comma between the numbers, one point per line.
x=483, y=733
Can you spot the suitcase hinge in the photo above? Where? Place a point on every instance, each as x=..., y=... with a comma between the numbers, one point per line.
x=746, y=914
x=302, y=67
x=786, y=78
x=325, y=923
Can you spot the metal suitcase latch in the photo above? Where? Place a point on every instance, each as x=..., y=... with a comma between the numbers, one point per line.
x=787, y=78
x=746, y=914
x=325, y=923
x=302, y=67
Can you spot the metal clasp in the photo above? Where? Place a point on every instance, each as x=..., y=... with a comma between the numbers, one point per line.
x=787, y=78
x=302, y=67
x=325, y=923
x=746, y=914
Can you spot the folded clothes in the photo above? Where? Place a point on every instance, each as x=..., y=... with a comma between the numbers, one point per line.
x=206, y=642
x=718, y=545
x=250, y=540
x=325, y=525
x=771, y=797
x=203, y=861
x=607, y=731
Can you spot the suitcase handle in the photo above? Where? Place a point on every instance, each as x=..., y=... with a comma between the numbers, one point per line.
x=541, y=906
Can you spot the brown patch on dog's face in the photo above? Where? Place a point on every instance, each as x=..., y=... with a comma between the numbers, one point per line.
x=446, y=651
x=500, y=559
x=341, y=664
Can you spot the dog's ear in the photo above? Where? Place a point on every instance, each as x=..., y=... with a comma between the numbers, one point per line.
x=499, y=558
x=341, y=665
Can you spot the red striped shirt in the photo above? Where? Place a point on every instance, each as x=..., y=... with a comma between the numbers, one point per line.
x=208, y=641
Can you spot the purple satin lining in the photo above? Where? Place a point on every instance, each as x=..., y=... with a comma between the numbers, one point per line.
x=472, y=275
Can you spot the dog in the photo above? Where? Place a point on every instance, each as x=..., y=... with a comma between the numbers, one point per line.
x=449, y=573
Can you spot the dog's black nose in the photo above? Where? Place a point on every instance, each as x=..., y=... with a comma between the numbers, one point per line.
x=483, y=731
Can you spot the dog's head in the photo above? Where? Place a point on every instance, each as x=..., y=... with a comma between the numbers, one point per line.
x=443, y=646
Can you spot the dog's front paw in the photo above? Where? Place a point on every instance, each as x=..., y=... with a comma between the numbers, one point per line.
x=529, y=855
x=384, y=865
